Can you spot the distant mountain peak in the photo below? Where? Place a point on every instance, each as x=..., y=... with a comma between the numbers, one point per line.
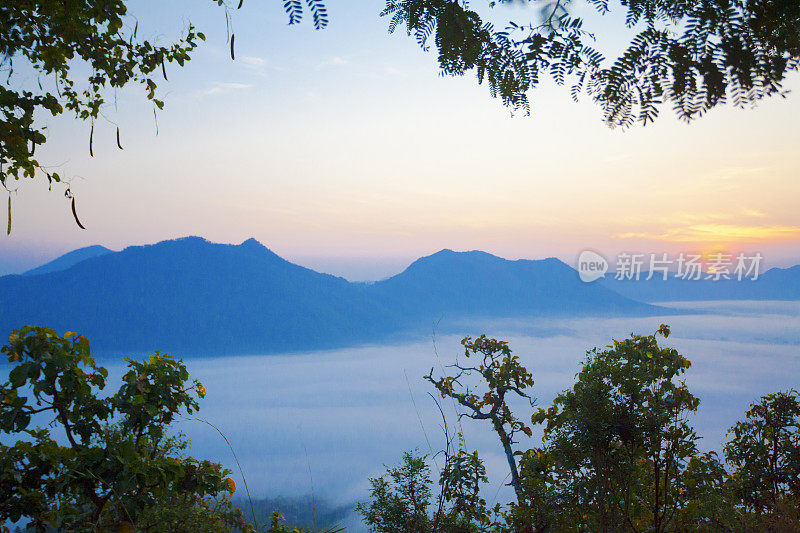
x=447, y=253
x=70, y=259
x=189, y=239
x=195, y=295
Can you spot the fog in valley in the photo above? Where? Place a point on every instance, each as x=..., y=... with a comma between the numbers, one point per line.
x=324, y=422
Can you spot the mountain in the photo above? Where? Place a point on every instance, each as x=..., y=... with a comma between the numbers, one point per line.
x=478, y=284
x=775, y=284
x=67, y=260
x=193, y=297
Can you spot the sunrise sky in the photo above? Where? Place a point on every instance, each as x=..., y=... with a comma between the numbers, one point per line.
x=345, y=151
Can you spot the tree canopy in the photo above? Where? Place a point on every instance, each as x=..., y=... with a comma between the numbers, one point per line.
x=618, y=453
x=691, y=54
x=60, y=42
x=119, y=466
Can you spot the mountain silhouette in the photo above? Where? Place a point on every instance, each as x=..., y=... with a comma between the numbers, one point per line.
x=69, y=259
x=196, y=297
x=479, y=284
x=774, y=284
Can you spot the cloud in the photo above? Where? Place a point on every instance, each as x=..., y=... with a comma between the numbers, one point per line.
x=257, y=65
x=347, y=412
x=755, y=213
x=617, y=158
x=223, y=87
x=253, y=61
x=393, y=71
x=335, y=61
x=718, y=233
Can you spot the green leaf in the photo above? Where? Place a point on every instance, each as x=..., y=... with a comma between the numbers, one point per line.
x=18, y=375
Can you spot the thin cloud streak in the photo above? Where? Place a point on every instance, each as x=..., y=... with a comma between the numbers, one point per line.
x=714, y=233
x=222, y=88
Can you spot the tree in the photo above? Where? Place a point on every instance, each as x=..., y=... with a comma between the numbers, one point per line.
x=620, y=437
x=764, y=452
x=706, y=499
x=400, y=503
x=615, y=445
x=400, y=499
x=693, y=54
x=60, y=41
x=117, y=466
x=501, y=373
x=618, y=452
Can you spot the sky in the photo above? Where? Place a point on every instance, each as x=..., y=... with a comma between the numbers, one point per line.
x=344, y=150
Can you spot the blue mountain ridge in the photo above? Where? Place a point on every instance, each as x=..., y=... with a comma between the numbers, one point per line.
x=195, y=297
x=69, y=259
x=774, y=284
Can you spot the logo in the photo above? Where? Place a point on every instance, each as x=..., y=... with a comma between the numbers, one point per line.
x=591, y=266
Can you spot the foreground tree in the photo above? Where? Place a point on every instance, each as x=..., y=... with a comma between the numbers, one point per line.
x=620, y=440
x=617, y=454
x=499, y=374
x=116, y=467
x=707, y=501
x=764, y=452
x=402, y=499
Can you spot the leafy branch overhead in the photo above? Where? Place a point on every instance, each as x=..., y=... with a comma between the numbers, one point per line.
x=59, y=42
x=692, y=54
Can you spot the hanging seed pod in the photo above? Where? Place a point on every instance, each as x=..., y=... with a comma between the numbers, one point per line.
x=119, y=145
x=75, y=214
x=233, y=36
x=91, y=138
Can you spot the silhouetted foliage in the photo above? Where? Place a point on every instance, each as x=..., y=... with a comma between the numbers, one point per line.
x=401, y=499
x=617, y=454
x=619, y=440
x=60, y=41
x=116, y=466
x=692, y=54
x=500, y=373
x=764, y=452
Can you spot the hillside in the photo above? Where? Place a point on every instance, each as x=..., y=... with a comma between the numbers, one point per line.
x=479, y=284
x=69, y=259
x=775, y=284
x=193, y=296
